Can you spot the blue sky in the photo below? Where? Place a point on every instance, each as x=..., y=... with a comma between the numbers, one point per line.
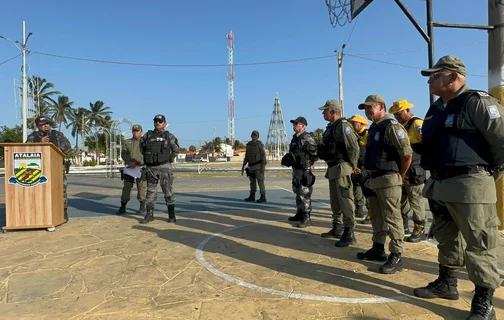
x=194, y=100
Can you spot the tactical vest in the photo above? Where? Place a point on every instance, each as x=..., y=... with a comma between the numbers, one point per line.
x=254, y=152
x=450, y=145
x=296, y=149
x=417, y=147
x=335, y=150
x=380, y=156
x=157, y=150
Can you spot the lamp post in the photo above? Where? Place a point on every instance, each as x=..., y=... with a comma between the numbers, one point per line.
x=22, y=47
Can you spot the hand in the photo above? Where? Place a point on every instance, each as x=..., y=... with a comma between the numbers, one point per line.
x=404, y=181
x=45, y=139
x=262, y=170
x=308, y=164
x=357, y=171
x=243, y=169
x=132, y=165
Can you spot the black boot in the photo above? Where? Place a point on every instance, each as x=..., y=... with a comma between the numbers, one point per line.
x=142, y=207
x=407, y=231
x=336, y=232
x=393, y=264
x=347, y=238
x=262, y=198
x=306, y=221
x=122, y=209
x=367, y=220
x=297, y=217
x=171, y=213
x=359, y=211
x=481, y=306
x=251, y=197
x=149, y=216
x=418, y=233
x=376, y=253
x=445, y=286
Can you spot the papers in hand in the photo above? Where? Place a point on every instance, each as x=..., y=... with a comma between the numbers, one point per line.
x=135, y=172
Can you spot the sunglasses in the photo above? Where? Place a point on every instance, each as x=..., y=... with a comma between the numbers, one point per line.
x=158, y=121
x=437, y=75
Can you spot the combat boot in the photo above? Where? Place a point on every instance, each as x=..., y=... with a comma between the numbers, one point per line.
x=306, y=221
x=297, y=217
x=142, y=207
x=262, y=198
x=376, y=253
x=122, y=209
x=367, y=220
x=407, y=231
x=251, y=197
x=347, y=238
x=336, y=232
x=445, y=286
x=359, y=211
x=481, y=306
x=418, y=232
x=393, y=264
x=149, y=216
x=171, y=213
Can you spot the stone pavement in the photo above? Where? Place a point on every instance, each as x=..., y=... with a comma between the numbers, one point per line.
x=223, y=259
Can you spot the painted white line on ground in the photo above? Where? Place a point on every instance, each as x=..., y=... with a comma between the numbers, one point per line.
x=220, y=274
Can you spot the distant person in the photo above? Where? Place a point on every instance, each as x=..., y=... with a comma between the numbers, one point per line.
x=302, y=155
x=359, y=124
x=255, y=158
x=159, y=148
x=46, y=134
x=133, y=157
x=68, y=163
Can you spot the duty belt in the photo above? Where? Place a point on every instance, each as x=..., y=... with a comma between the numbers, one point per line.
x=380, y=173
x=450, y=172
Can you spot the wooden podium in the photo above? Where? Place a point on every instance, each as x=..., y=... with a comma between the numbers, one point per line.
x=33, y=185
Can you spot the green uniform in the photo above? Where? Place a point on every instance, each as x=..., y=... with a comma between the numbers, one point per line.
x=255, y=157
x=463, y=205
x=385, y=206
x=130, y=152
x=339, y=172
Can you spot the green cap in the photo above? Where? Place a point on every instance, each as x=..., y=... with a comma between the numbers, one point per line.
x=332, y=105
x=372, y=99
x=447, y=62
x=136, y=127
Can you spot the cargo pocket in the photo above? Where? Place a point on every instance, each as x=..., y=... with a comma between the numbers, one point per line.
x=346, y=187
x=484, y=234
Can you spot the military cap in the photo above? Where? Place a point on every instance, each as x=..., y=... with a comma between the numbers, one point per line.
x=160, y=117
x=255, y=133
x=332, y=105
x=300, y=120
x=447, y=62
x=370, y=100
x=136, y=127
x=359, y=118
x=400, y=105
x=42, y=120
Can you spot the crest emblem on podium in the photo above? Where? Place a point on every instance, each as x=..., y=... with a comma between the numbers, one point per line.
x=27, y=169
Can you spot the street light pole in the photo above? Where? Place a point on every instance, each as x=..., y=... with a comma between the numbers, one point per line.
x=24, y=108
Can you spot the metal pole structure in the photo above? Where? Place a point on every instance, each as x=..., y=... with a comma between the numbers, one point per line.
x=24, y=110
x=340, y=78
x=495, y=76
x=430, y=43
x=82, y=142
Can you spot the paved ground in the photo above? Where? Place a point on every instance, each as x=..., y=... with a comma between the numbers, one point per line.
x=224, y=259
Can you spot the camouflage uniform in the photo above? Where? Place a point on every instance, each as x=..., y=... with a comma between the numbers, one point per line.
x=59, y=140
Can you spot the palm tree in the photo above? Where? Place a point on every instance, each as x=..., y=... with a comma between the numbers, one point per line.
x=78, y=123
x=40, y=89
x=62, y=110
x=99, y=114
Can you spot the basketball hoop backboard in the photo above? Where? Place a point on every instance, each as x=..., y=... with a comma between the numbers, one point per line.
x=358, y=5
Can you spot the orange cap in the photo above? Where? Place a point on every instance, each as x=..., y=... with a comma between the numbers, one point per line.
x=400, y=105
x=359, y=118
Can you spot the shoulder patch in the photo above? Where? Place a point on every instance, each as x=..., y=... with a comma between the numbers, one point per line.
x=483, y=94
x=377, y=136
x=449, y=120
x=348, y=130
x=400, y=134
x=493, y=112
x=394, y=121
x=419, y=129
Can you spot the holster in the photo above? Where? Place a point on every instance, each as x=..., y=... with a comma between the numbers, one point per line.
x=308, y=178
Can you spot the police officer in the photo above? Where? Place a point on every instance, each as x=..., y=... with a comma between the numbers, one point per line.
x=463, y=134
x=412, y=199
x=302, y=155
x=340, y=150
x=46, y=134
x=255, y=157
x=359, y=124
x=388, y=157
x=159, y=148
x=132, y=156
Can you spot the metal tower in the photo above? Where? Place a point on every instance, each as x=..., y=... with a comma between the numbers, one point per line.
x=230, y=76
x=277, y=143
